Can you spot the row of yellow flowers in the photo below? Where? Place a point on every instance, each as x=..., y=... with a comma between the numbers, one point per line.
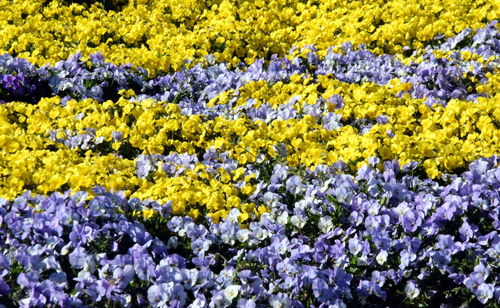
x=161, y=35
x=442, y=139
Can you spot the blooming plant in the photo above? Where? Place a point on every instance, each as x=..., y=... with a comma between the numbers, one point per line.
x=249, y=153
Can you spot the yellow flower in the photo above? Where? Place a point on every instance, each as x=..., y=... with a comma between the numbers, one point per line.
x=147, y=213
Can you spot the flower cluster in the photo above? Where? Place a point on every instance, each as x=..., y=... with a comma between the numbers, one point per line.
x=471, y=58
x=161, y=35
x=344, y=240
x=249, y=153
x=305, y=111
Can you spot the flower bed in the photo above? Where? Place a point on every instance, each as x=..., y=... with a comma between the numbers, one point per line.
x=275, y=166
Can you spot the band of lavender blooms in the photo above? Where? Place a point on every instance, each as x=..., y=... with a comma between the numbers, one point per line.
x=380, y=237
x=438, y=79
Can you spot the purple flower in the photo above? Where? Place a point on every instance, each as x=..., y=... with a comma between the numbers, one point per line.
x=4, y=264
x=382, y=119
x=356, y=218
x=411, y=221
x=412, y=291
x=175, y=224
x=143, y=263
x=246, y=303
x=467, y=231
x=365, y=288
x=4, y=288
x=484, y=292
x=199, y=302
x=355, y=246
x=279, y=174
x=474, y=281
x=81, y=235
x=144, y=165
x=28, y=280
x=446, y=243
x=482, y=269
x=123, y=276
x=104, y=289
x=337, y=101
x=378, y=278
x=294, y=185
x=159, y=295
x=407, y=257
x=320, y=289
x=79, y=258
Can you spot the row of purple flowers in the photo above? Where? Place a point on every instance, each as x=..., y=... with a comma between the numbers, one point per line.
x=434, y=78
x=378, y=237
